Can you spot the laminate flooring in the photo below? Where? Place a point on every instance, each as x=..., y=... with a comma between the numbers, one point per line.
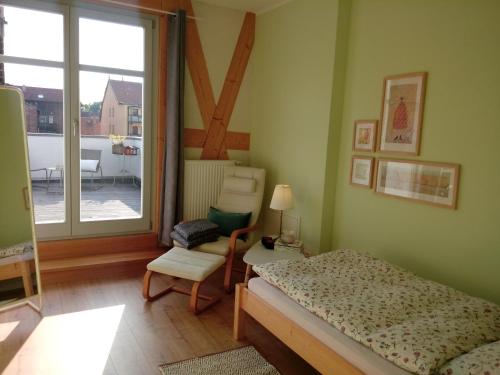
x=104, y=326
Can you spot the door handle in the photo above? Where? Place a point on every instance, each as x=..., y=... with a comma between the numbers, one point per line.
x=75, y=127
x=26, y=196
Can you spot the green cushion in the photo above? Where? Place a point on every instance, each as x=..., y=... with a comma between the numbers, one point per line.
x=229, y=221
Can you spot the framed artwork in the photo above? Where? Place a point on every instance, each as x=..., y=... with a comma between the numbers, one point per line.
x=402, y=110
x=427, y=182
x=361, y=171
x=365, y=132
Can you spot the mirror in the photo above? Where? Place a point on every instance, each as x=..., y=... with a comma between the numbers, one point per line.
x=19, y=270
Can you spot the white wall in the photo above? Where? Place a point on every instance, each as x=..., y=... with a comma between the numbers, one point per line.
x=47, y=150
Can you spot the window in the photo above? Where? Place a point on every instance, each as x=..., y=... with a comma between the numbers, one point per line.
x=74, y=73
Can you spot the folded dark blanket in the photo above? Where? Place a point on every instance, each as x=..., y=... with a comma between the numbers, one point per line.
x=211, y=237
x=194, y=229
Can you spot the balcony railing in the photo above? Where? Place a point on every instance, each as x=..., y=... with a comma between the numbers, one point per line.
x=47, y=128
x=47, y=150
x=134, y=119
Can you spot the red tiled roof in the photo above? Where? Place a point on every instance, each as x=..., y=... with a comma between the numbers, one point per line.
x=41, y=94
x=128, y=93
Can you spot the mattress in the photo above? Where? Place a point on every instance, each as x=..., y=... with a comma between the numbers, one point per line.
x=355, y=353
x=415, y=323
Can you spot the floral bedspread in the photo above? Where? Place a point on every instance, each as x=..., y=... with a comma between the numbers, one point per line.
x=418, y=324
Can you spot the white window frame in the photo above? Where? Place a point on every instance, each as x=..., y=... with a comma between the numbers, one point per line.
x=72, y=226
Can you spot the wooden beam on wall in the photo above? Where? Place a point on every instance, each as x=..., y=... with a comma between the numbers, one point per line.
x=194, y=137
x=203, y=89
x=237, y=141
x=213, y=148
x=198, y=69
x=233, y=140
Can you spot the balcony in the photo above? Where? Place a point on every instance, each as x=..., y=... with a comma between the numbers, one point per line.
x=116, y=196
x=134, y=119
x=44, y=127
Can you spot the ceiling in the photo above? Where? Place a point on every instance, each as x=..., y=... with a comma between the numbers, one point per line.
x=256, y=6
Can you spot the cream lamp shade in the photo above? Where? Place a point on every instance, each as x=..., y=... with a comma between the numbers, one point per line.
x=282, y=198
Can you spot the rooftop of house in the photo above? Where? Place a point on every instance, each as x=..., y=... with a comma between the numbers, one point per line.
x=41, y=94
x=128, y=93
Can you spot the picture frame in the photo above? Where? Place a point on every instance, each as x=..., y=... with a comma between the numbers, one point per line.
x=426, y=182
x=365, y=135
x=361, y=171
x=401, y=116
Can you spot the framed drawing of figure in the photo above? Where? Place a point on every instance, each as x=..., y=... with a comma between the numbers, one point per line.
x=402, y=111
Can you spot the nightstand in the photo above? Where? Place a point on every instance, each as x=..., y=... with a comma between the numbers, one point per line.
x=258, y=254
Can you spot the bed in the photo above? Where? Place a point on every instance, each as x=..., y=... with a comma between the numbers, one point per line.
x=303, y=328
x=18, y=261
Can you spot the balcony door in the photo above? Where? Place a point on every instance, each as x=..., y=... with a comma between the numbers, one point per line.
x=110, y=131
x=88, y=113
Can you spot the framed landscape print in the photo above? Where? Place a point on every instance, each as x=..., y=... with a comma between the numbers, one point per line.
x=361, y=171
x=365, y=132
x=427, y=182
x=402, y=110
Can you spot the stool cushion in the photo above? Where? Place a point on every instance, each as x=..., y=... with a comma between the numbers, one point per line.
x=186, y=264
x=219, y=247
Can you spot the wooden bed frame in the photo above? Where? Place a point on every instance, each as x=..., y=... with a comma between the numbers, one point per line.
x=19, y=266
x=317, y=354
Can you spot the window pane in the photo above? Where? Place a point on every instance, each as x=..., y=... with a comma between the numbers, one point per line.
x=33, y=34
x=111, y=45
x=111, y=147
x=44, y=111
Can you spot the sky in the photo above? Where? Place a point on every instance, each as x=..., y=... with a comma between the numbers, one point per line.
x=39, y=35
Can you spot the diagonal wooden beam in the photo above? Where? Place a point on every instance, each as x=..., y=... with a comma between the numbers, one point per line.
x=233, y=141
x=198, y=68
x=214, y=145
x=194, y=137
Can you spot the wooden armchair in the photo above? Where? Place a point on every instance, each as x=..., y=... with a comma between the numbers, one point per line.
x=242, y=191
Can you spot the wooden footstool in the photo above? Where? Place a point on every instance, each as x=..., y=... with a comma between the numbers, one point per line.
x=184, y=264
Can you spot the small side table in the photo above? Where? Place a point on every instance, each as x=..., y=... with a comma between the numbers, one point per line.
x=258, y=254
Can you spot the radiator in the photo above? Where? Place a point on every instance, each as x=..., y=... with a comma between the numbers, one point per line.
x=202, y=185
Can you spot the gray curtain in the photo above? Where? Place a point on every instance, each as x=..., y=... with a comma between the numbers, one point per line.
x=174, y=148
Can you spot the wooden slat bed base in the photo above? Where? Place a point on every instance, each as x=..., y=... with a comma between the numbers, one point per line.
x=320, y=356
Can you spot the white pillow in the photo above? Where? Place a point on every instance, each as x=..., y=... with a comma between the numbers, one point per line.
x=88, y=165
x=482, y=360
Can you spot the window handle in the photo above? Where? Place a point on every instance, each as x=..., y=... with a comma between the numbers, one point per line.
x=75, y=127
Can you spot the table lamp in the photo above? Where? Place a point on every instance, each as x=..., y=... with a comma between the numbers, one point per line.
x=282, y=200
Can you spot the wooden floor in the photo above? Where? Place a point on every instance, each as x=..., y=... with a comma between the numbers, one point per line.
x=104, y=326
x=110, y=201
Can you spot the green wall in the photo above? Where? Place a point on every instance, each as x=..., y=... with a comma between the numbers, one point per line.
x=457, y=43
x=293, y=62
x=319, y=65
